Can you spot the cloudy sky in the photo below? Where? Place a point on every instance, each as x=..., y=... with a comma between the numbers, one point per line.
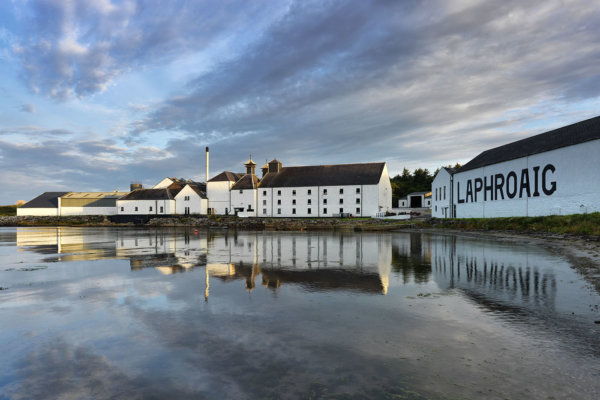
x=95, y=94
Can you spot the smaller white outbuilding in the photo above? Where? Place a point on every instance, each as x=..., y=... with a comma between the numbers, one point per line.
x=148, y=202
x=45, y=204
x=415, y=200
x=191, y=200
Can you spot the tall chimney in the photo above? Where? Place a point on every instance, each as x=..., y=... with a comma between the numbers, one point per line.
x=206, y=163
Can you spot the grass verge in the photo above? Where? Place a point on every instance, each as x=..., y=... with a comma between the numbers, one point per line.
x=576, y=224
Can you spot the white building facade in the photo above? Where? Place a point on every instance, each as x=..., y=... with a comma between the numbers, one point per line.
x=191, y=200
x=441, y=193
x=45, y=204
x=554, y=173
x=218, y=191
x=147, y=202
x=324, y=190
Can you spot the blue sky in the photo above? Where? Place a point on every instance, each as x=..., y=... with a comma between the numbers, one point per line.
x=95, y=94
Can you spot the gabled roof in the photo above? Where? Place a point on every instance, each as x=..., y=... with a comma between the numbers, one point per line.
x=570, y=135
x=225, y=176
x=151, y=194
x=45, y=200
x=197, y=189
x=325, y=175
x=246, y=182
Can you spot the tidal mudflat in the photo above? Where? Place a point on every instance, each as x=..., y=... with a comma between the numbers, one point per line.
x=173, y=313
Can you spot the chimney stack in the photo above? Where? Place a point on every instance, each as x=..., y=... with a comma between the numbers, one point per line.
x=207, y=164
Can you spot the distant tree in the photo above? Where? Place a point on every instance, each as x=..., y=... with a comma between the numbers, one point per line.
x=417, y=181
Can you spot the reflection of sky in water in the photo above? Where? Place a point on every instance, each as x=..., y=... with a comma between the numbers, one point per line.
x=167, y=313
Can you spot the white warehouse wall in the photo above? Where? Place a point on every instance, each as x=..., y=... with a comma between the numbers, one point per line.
x=45, y=212
x=573, y=171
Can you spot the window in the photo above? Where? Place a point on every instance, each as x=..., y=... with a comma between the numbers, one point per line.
x=122, y=208
x=357, y=201
x=358, y=210
x=341, y=210
x=308, y=211
x=324, y=211
x=341, y=201
x=293, y=211
x=264, y=211
x=309, y=191
x=279, y=193
x=324, y=191
x=435, y=208
x=324, y=201
x=436, y=194
x=241, y=191
x=264, y=192
x=264, y=202
x=279, y=211
x=293, y=192
x=186, y=198
x=309, y=201
x=136, y=209
x=279, y=202
x=162, y=210
x=445, y=192
x=294, y=201
x=150, y=209
x=357, y=190
x=341, y=191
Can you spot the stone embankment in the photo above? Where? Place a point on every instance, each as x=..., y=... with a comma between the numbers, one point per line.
x=219, y=222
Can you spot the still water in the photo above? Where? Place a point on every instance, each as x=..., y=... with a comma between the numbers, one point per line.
x=124, y=313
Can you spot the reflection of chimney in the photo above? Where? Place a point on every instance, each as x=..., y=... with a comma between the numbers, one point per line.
x=134, y=186
x=206, y=163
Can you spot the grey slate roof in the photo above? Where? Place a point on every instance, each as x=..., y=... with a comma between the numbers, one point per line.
x=569, y=135
x=225, y=176
x=45, y=200
x=246, y=182
x=324, y=175
x=198, y=190
x=151, y=194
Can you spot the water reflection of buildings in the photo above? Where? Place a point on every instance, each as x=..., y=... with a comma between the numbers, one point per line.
x=315, y=261
x=492, y=273
x=497, y=275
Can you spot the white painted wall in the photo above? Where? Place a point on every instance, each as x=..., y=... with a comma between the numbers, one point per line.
x=325, y=201
x=45, y=212
x=575, y=176
x=385, y=192
x=70, y=211
x=196, y=204
x=219, y=196
x=245, y=198
x=128, y=207
x=440, y=195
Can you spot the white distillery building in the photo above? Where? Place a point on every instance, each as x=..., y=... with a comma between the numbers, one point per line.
x=415, y=200
x=148, y=202
x=45, y=204
x=218, y=191
x=307, y=191
x=553, y=173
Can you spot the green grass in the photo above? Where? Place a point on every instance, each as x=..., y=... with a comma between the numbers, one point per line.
x=575, y=224
x=8, y=210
